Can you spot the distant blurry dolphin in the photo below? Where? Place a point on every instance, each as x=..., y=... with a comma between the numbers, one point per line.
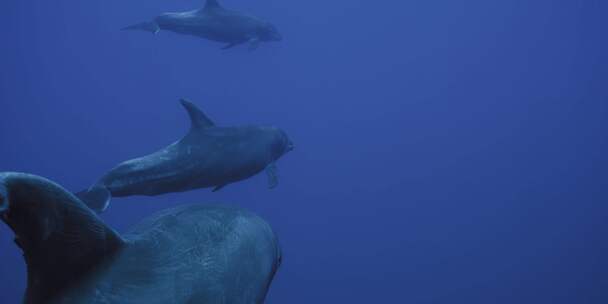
x=186, y=255
x=208, y=156
x=215, y=23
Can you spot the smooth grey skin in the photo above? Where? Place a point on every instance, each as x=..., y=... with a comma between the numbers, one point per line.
x=190, y=254
x=213, y=22
x=208, y=156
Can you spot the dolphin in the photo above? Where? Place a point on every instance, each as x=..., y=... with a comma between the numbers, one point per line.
x=189, y=254
x=213, y=22
x=208, y=156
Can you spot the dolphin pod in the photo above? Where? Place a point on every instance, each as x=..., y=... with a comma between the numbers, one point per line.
x=215, y=23
x=207, y=156
x=209, y=254
x=189, y=254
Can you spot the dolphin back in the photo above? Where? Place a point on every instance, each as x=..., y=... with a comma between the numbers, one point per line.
x=196, y=254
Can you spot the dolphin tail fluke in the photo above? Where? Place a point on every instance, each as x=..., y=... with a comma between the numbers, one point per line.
x=144, y=26
x=97, y=198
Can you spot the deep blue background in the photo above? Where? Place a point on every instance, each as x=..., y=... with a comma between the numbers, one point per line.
x=447, y=151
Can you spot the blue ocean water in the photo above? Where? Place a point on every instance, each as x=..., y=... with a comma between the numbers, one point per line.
x=446, y=151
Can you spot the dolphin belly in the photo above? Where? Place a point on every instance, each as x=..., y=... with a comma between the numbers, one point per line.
x=162, y=172
x=154, y=182
x=209, y=32
x=149, y=184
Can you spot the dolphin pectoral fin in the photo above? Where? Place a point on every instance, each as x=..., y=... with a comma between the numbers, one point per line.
x=273, y=177
x=218, y=188
x=97, y=198
x=254, y=43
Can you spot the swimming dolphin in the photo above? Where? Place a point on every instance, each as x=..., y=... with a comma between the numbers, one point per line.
x=215, y=23
x=185, y=255
x=208, y=156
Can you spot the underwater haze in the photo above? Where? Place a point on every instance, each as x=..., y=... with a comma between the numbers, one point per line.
x=445, y=151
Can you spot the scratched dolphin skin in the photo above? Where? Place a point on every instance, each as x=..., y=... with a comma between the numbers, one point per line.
x=213, y=22
x=208, y=156
x=189, y=254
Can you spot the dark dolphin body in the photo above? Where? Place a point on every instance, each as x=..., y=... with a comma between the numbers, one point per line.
x=186, y=255
x=208, y=156
x=215, y=23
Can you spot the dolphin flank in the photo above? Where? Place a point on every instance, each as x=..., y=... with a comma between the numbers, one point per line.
x=207, y=156
x=215, y=23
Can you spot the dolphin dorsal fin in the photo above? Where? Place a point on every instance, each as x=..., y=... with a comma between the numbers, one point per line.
x=63, y=240
x=211, y=4
x=198, y=119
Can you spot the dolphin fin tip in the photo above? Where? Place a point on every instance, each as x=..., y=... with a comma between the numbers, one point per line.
x=198, y=118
